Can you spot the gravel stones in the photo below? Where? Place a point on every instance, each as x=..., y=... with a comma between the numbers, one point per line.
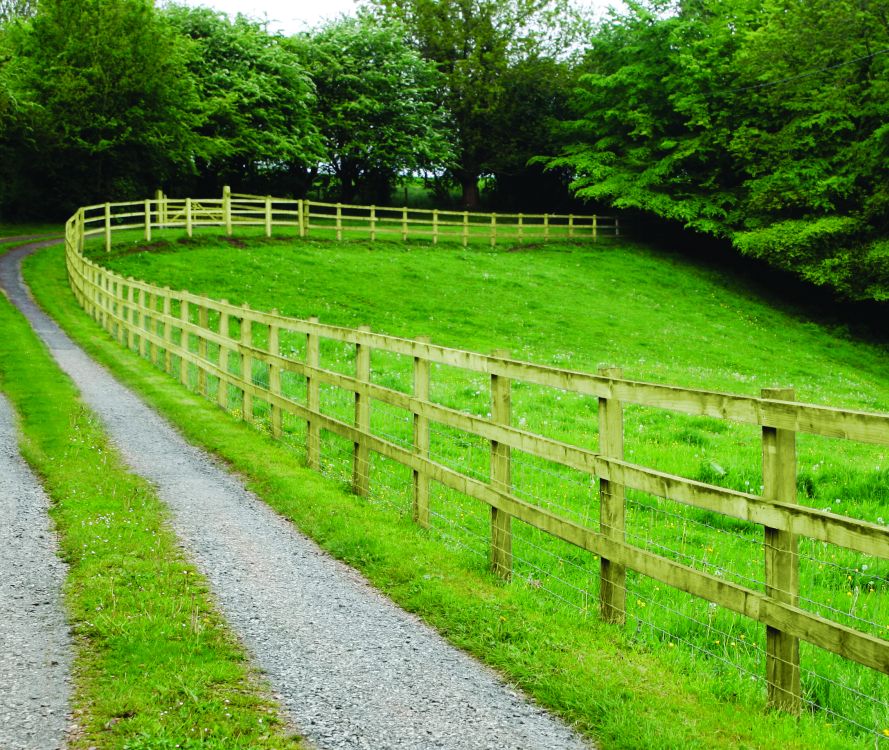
x=35, y=647
x=350, y=669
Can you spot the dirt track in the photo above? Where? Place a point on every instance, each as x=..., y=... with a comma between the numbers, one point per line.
x=351, y=669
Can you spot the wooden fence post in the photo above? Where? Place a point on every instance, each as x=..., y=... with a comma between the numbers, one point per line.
x=81, y=230
x=361, y=453
x=570, y=225
x=339, y=221
x=421, y=438
x=493, y=229
x=154, y=326
x=781, y=561
x=100, y=306
x=145, y=323
x=225, y=335
x=268, y=216
x=107, y=227
x=501, y=474
x=434, y=226
x=133, y=317
x=148, y=221
x=96, y=294
x=160, y=198
x=546, y=226
x=404, y=224
x=168, y=330
x=227, y=209
x=246, y=364
x=616, y=227
x=595, y=228
x=120, y=305
x=100, y=300
x=189, y=224
x=373, y=223
x=275, y=378
x=465, y=228
x=107, y=320
x=300, y=219
x=521, y=239
x=313, y=400
x=307, y=207
x=183, y=340
x=613, y=592
x=204, y=325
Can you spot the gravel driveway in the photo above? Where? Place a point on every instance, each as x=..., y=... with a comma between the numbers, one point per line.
x=351, y=669
x=35, y=648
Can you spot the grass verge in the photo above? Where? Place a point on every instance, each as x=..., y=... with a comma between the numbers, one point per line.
x=155, y=665
x=31, y=230
x=607, y=683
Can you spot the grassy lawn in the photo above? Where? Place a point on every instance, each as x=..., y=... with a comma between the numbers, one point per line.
x=156, y=667
x=31, y=229
x=576, y=305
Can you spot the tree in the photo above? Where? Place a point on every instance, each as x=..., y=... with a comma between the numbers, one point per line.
x=536, y=95
x=474, y=43
x=102, y=107
x=814, y=141
x=655, y=118
x=255, y=103
x=375, y=105
x=762, y=122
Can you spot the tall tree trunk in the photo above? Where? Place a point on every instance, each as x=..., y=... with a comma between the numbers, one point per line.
x=470, y=199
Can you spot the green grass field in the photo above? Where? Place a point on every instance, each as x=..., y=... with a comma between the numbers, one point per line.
x=580, y=306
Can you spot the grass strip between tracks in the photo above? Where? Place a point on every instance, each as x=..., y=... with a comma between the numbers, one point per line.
x=155, y=664
x=591, y=674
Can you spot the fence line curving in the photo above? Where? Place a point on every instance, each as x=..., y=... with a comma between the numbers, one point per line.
x=255, y=361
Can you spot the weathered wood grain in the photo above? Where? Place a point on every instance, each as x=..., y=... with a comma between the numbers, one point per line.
x=501, y=476
x=781, y=563
x=612, y=507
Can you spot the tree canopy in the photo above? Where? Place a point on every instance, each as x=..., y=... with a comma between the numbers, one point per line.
x=254, y=114
x=760, y=122
x=101, y=110
x=376, y=106
x=479, y=47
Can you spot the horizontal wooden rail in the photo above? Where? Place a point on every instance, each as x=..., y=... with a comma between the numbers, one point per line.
x=143, y=316
x=861, y=536
x=235, y=209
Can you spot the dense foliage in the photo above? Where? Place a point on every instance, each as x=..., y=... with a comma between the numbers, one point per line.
x=497, y=62
x=761, y=122
x=254, y=111
x=98, y=111
x=376, y=108
x=764, y=121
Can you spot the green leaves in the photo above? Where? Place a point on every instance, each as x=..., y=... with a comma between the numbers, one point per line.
x=762, y=121
x=254, y=100
x=100, y=103
x=376, y=105
x=486, y=51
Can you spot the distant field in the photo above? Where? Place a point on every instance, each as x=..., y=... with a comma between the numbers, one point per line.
x=579, y=306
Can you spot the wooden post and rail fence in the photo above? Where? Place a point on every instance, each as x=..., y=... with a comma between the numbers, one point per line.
x=340, y=220
x=172, y=327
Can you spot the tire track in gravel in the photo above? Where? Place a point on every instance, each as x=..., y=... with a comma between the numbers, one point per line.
x=350, y=669
x=35, y=643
